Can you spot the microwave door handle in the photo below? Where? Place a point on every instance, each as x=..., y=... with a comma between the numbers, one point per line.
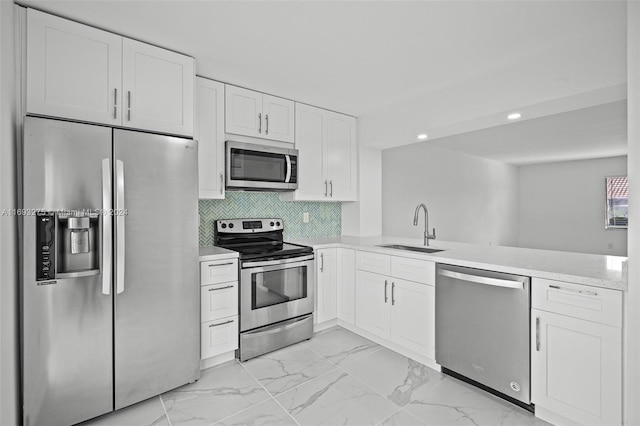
x=288, y=176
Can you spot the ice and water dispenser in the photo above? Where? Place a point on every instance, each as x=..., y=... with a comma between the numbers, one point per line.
x=67, y=245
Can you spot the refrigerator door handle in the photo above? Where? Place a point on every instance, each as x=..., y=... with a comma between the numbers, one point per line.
x=107, y=227
x=120, y=212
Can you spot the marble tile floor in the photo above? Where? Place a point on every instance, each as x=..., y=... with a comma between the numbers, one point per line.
x=336, y=378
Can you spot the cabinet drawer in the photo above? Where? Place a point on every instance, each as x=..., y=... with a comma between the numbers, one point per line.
x=218, y=301
x=373, y=262
x=218, y=271
x=595, y=304
x=218, y=337
x=420, y=271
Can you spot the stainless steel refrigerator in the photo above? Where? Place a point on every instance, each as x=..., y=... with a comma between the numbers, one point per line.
x=110, y=302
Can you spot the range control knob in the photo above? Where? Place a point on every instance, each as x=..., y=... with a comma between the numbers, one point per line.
x=223, y=225
x=271, y=224
x=277, y=223
x=231, y=225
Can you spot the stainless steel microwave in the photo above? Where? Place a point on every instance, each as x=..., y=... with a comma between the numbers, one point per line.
x=261, y=167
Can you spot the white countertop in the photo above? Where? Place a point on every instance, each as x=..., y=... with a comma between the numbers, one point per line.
x=216, y=253
x=588, y=269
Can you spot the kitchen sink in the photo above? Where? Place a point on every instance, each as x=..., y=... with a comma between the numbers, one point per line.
x=410, y=248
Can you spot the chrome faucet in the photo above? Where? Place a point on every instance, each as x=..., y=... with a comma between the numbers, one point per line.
x=427, y=237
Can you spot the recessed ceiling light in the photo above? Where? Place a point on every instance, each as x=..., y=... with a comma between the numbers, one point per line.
x=514, y=116
x=422, y=136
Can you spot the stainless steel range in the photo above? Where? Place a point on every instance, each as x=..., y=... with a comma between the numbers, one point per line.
x=276, y=284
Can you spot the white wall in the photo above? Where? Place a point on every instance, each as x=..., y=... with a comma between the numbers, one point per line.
x=632, y=297
x=562, y=206
x=8, y=247
x=470, y=199
x=364, y=217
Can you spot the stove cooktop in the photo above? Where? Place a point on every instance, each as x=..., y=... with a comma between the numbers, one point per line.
x=256, y=238
x=269, y=250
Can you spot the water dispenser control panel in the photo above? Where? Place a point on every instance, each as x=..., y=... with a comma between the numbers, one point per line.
x=45, y=246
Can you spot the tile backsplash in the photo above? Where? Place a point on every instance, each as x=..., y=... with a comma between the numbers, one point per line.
x=324, y=218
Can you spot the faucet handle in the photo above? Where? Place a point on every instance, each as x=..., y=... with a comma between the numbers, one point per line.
x=433, y=236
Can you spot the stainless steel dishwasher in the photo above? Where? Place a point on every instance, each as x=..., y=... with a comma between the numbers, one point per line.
x=482, y=330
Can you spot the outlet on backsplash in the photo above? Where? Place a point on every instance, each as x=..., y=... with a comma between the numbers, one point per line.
x=305, y=217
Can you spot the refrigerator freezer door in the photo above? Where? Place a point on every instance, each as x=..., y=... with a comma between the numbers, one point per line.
x=67, y=323
x=157, y=307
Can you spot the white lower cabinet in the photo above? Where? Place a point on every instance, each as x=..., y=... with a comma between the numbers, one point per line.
x=413, y=316
x=372, y=303
x=576, y=359
x=396, y=309
x=347, y=285
x=326, y=285
x=218, y=337
x=218, y=307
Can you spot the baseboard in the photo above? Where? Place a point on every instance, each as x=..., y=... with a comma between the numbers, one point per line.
x=429, y=362
x=217, y=359
x=325, y=325
x=553, y=418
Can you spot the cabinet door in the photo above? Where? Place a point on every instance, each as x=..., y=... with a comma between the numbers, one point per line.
x=243, y=112
x=218, y=337
x=278, y=118
x=73, y=70
x=310, y=135
x=326, y=280
x=413, y=316
x=209, y=132
x=218, y=301
x=157, y=89
x=218, y=271
x=576, y=368
x=347, y=285
x=342, y=157
x=373, y=303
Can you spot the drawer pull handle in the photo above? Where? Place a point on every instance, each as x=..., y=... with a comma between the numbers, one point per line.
x=572, y=290
x=221, y=288
x=220, y=264
x=222, y=323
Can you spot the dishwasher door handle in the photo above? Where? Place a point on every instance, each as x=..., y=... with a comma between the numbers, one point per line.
x=497, y=282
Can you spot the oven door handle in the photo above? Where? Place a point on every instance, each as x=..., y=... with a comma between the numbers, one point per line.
x=277, y=262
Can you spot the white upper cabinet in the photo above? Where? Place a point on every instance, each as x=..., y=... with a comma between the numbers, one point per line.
x=342, y=157
x=158, y=85
x=73, y=70
x=278, y=118
x=328, y=156
x=243, y=110
x=79, y=72
x=209, y=132
x=310, y=136
x=251, y=113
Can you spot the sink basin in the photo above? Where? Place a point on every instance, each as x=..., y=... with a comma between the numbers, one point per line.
x=410, y=248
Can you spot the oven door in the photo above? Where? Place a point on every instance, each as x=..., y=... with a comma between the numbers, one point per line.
x=261, y=167
x=275, y=290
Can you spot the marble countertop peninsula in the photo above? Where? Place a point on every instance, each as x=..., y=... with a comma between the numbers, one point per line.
x=580, y=268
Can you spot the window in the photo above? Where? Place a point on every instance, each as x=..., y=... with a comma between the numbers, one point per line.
x=617, y=202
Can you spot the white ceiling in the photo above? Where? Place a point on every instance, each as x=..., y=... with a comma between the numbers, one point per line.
x=595, y=132
x=453, y=61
